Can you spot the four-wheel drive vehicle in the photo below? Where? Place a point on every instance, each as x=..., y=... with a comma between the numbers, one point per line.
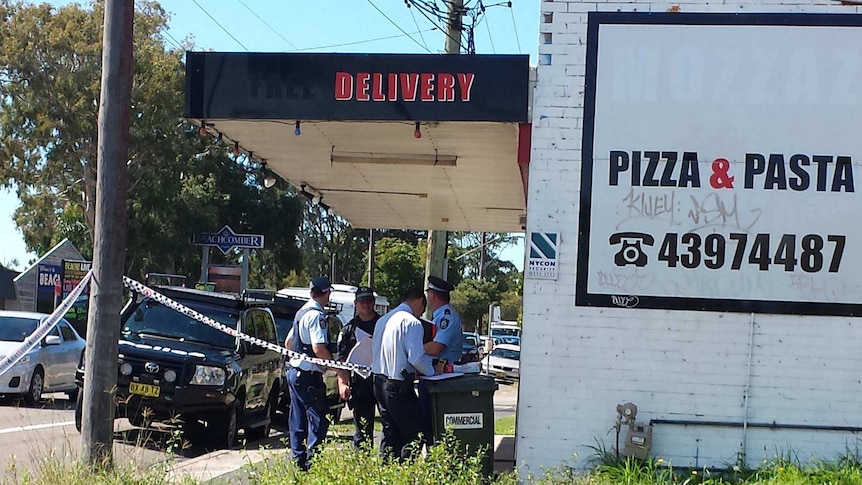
x=176, y=370
x=284, y=310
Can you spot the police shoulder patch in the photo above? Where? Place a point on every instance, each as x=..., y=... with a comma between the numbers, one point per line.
x=444, y=323
x=322, y=320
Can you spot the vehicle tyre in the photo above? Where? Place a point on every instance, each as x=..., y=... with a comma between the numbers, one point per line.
x=73, y=394
x=79, y=410
x=37, y=384
x=224, y=428
x=262, y=432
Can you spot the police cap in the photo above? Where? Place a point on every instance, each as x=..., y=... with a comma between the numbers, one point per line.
x=364, y=292
x=439, y=284
x=321, y=283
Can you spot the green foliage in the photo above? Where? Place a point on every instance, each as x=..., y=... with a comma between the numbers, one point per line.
x=180, y=183
x=339, y=463
x=400, y=265
x=471, y=298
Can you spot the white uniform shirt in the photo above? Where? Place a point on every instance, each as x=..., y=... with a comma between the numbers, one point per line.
x=397, y=345
x=309, y=327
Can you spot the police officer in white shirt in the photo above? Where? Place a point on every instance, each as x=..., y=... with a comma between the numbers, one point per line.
x=308, y=336
x=398, y=357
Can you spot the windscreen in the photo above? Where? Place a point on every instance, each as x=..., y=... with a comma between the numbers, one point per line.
x=506, y=354
x=16, y=329
x=155, y=319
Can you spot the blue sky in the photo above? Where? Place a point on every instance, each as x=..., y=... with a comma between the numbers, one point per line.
x=372, y=26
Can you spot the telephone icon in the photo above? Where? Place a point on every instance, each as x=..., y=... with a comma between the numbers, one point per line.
x=631, y=251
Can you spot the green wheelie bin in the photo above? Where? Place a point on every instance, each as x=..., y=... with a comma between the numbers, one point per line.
x=464, y=405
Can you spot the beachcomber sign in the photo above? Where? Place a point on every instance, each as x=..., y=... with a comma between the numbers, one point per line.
x=226, y=239
x=719, y=169
x=463, y=421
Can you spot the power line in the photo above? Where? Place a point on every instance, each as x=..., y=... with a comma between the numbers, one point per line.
x=425, y=10
x=417, y=28
x=397, y=26
x=364, y=41
x=514, y=26
x=220, y=25
x=270, y=27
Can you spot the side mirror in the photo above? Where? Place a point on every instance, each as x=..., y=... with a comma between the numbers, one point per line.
x=53, y=340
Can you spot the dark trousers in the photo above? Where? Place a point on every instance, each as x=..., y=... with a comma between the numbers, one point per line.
x=308, y=422
x=427, y=415
x=362, y=402
x=401, y=416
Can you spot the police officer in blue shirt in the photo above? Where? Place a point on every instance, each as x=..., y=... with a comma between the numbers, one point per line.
x=308, y=336
x=447, y=342
x=398, y=356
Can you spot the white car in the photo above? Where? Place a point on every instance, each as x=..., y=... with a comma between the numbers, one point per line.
x=504, y=361
x=49, y=366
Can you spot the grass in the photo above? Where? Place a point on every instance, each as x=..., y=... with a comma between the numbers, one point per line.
x=338, y=463
x=504, y=426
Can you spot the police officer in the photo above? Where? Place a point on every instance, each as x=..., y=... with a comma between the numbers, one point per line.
x=360, y=390
x=398, y=356
x=309, y=336
x=447, y=342
x=448, y=339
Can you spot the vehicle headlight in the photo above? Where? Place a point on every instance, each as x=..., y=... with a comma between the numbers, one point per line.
x=208, y=376
x=24, y=360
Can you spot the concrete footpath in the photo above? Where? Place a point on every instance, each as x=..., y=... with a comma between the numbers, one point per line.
x=223, y=466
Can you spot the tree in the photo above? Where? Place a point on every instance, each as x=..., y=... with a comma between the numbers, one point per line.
x=324, y=235
x=180, y=183
x=400, y=265
x=471, y=298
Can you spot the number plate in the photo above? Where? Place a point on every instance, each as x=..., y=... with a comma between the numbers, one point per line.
x=143, y=389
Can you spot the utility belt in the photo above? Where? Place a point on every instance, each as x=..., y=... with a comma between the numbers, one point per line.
x=403, y=385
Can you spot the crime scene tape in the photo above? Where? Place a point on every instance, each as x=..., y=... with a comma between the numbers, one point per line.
x=42, y=330
x=148, y=292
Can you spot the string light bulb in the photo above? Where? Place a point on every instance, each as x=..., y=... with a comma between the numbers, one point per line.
x=417, y=133
x=236, y=148
x=296, y=130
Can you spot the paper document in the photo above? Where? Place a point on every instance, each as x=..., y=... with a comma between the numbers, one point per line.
x=440, y=377
x=361, y=352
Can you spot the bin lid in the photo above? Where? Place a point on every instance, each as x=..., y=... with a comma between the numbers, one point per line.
x=465, y=383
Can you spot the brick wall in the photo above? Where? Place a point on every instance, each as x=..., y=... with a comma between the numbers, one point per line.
x=578, y=363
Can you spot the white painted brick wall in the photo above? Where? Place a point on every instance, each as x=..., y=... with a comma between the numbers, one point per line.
x=579, y=363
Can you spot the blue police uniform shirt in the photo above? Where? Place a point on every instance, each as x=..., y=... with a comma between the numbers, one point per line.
x=449, y=333
x=397, y=345
x=309, y=326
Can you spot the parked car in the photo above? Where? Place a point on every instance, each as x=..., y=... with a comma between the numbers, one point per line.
x=178, y=371
x=504, y=361
x=49, y=366
x=284, y=310
x=472, y=352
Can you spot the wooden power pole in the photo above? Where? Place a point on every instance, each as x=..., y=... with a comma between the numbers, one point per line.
x=109, y=245
x=438, y=241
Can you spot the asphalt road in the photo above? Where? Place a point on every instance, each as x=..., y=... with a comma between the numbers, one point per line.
x=29, y=436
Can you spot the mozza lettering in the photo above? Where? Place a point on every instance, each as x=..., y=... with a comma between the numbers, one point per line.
x=830, y=173
x=655, y=169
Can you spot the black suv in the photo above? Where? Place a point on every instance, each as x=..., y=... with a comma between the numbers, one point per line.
x=176, y=370
x=284, y=310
